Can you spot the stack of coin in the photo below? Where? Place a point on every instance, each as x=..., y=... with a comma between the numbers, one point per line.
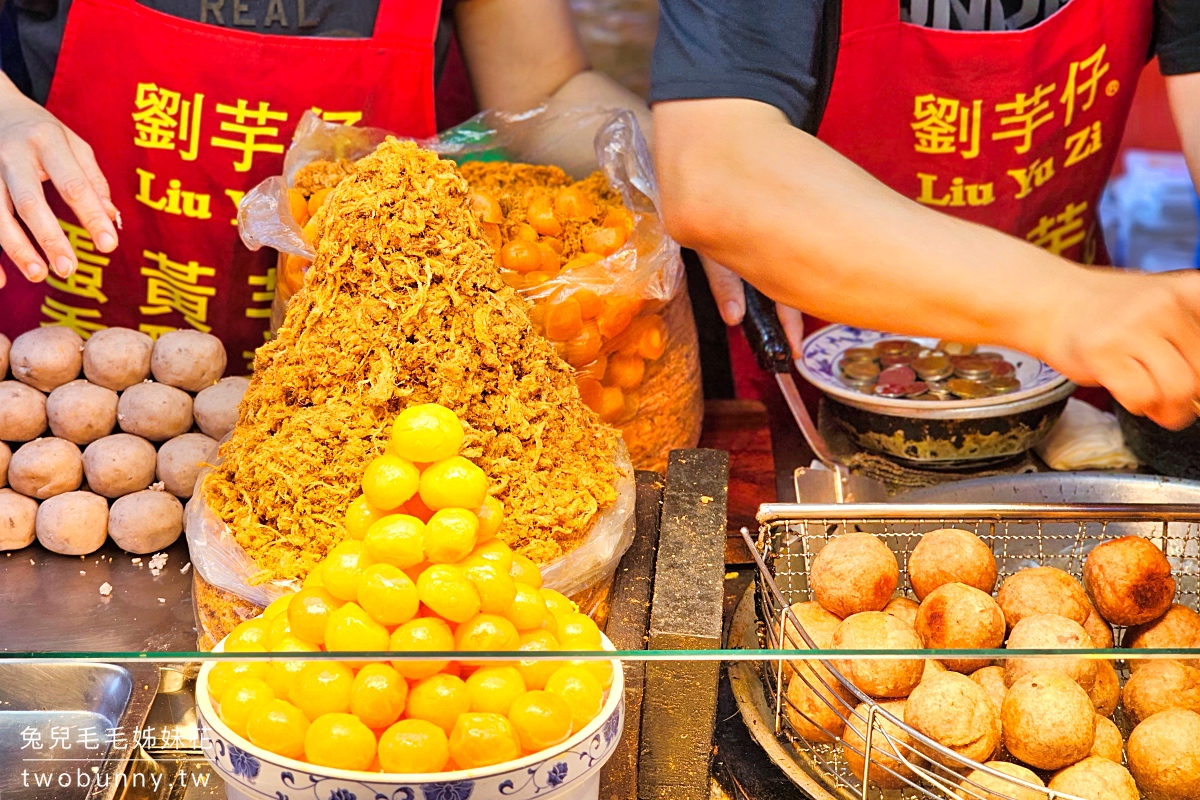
x=901, y=368
x=860, y=373
x=955, y=348
x=898, y=382
x=967, y=389
x=933, y=367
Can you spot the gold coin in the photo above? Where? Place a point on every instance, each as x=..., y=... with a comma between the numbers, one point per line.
x=932, y=366
x=861, y=370
x=968, y=389
x=955, y=348
x=897, y=347
x=859, y=354
x=1003, y=385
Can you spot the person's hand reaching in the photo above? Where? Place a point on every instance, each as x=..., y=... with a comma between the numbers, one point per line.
x=35, y=147
x=727, y=290
x=1136, y=335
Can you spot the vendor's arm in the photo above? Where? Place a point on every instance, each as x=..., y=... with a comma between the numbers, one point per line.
x=34, y=147
x=738, y=82
x=522, y=52
x=812, y=230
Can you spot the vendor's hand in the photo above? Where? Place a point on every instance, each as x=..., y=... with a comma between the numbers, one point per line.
x=1136, y=335
x=727, y=290
x=34, y=147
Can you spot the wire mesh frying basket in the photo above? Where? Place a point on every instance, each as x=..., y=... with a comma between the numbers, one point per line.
x=836, y=737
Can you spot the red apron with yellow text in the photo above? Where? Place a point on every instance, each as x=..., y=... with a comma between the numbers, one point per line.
x=184, y=118
x=1016, y=130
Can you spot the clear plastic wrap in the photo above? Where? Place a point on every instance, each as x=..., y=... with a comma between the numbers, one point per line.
x=654, y=392
x=618, y=36
x=227, y=591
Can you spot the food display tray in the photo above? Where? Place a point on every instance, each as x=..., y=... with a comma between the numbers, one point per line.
x=1021, y=534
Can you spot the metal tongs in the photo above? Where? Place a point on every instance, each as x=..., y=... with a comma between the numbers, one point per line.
x=812, y=485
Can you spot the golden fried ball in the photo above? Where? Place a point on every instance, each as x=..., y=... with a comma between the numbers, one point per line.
x=1109, y=742
x=903, y=609
x=1178, y=628
x=884, y=750
x=1106, y=691
x=992, y=681
x=1161, y=685
x=1050, y=632
x=1096, y=778
x=817, y=622
x=950, y=555
x=932, y=667
x=955, y=616
x=1164, y=755
x=854, y=572
x=1100, y=631
x=874, y=630
x=1129, y=580
x=979, y=785
x=1042, y=590
x=954, y=711
x=1049, y=722
x=816, y=704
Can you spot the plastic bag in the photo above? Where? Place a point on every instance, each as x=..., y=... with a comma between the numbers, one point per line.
x=1086, y=438
x=654, y=394
x=618, y=36
x=226, y=592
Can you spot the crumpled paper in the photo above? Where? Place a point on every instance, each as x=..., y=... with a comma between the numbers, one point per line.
x=1086, y=438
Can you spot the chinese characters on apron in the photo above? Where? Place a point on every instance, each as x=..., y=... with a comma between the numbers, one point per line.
x=1015, y=130
x=184, y=119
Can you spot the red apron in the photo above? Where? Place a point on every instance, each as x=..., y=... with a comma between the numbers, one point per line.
x=184, y=118
x=1015, y=130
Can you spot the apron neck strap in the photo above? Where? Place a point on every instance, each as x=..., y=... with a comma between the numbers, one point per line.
x=858, y=15
x=408, y=19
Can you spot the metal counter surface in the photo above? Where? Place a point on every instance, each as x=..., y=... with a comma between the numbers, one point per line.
x=51, y=603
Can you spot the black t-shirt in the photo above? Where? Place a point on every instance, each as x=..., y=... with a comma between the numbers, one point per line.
x=783, y=52
x=40, y=25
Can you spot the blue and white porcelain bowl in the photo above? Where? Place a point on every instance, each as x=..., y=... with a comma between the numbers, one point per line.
x=822, y=350
x=570, y=771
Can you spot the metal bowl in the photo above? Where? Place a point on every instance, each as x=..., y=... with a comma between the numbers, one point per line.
x=948, y=438
x=1167, y=452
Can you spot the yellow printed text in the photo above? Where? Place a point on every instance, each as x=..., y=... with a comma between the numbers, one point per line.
x=959, y=194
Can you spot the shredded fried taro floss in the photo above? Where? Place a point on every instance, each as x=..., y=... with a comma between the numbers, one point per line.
x=404, y=304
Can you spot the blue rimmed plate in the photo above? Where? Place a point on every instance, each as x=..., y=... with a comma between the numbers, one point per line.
x=822, y=351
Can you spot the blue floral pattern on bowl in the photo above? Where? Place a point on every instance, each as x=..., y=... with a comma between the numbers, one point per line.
x=821, y=352
x=560, y=773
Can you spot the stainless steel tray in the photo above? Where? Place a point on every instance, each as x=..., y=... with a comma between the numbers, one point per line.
x=67, y=729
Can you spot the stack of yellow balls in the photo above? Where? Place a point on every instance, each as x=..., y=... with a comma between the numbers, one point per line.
x=420, y=571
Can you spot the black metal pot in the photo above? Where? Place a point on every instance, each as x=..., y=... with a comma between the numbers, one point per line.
x=1001, y=433
x=1167, y=452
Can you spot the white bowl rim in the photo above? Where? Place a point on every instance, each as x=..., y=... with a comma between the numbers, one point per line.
x=883, y=404
x=616, y=695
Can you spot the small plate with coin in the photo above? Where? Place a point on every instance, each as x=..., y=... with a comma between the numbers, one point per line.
x=877, y=371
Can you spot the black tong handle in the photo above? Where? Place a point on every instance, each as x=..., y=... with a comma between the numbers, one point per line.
x=765, y=332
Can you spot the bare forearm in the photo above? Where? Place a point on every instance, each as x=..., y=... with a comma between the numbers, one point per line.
x=518, y=52
x=524, y=52
x=816, y=232
x=591, y=88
